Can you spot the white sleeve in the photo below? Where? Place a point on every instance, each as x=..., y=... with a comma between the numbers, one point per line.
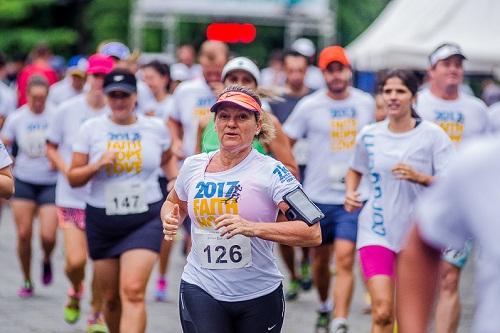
x=9, y=128
x=8, y=102
x=443, y=152
x=295, y=127
x=440, y=213
x=82, y=141
x=55, y=128
x=282, y=182
x=181, y=182
x=485, y=118
x=168, y=108
x=494, y=115
x=175, y=111
x=359, y=160
x=5, y=159
x=164, y=136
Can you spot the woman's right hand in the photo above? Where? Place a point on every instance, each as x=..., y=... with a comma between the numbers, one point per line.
x=352, y=201
x=107, y=159
x=171, y=223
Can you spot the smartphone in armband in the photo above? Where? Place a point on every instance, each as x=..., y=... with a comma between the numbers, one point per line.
x=302, y=208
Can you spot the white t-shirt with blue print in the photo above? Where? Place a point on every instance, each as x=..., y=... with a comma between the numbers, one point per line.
x=386, y=217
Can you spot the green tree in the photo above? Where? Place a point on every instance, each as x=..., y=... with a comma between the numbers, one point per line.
x=107, y=20
x=354, y=17
x=24, y=23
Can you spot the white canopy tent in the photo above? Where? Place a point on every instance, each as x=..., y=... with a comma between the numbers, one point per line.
x=299, y=17
x=408, y=30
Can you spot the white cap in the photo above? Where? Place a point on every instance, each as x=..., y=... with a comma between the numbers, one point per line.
x=304, y=46
x=179, y=72
x=243, y=64
x=444, y=51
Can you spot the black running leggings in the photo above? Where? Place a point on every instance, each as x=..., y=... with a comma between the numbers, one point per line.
x=201, y=313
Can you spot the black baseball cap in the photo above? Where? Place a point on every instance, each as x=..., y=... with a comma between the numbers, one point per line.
x=120, y=80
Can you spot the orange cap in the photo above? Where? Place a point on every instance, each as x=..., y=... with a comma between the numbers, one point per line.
x=332, y=53
x=238, y=99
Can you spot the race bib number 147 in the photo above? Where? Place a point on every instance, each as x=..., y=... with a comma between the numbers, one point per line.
x=125, y=198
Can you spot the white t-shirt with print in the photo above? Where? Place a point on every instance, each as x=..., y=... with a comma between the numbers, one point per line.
x=29, y=130
x=494, y=113
x=217, y=269
x=63, y=131
x=462, y=119
x=192, y=100
x=8, y=100
x=138, y=149
x=161, y=109
x=5, y=159
x=331, y=127
x=464, y=205
x=62, y=91
x=144, y=96
x=386, y=217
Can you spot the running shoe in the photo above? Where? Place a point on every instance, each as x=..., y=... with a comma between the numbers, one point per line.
x=293, y=290
x=323, y=322
x=96, y=323
x=339, y=325
x=306, y=281
x=161, y=292
x=46, y=273
x=72, y=308
x=26, y=290
x=342, y=328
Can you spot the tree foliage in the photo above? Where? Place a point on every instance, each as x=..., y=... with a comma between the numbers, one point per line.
x=355, y=16
x=107, y=20
x=78, y=26
x=24, y=23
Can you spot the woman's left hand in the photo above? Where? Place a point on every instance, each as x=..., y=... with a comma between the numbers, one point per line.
x=406, y=172
x=229, y=225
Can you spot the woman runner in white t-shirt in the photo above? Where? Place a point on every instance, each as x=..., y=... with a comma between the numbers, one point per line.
x=35, y=180
x=156, y=75
x=401, y=156
x=231, y=283
x=70, y=202
x=119, y=154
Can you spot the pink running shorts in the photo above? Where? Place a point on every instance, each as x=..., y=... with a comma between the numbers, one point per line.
x=377, y=260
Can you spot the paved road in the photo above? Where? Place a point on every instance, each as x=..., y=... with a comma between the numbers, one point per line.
x=43, y=313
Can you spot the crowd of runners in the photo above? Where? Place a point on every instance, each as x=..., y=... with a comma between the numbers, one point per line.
x=123, y=157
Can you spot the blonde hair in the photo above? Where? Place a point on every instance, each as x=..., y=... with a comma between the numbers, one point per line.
x=267, y=132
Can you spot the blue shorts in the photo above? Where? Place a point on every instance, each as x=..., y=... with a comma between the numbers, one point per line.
x=110, y=236
x=201, y=313
x=40, y=194
x=338, y=223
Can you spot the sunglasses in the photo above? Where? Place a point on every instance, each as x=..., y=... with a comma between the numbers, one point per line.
x=118, y=95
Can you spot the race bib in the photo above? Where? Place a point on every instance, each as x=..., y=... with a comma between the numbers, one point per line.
x=215, y=252
x=125, y=198
x=33, y=144
x=337, y=173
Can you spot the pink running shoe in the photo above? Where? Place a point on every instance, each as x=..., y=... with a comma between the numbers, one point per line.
x=26, y=291
x=161, y=292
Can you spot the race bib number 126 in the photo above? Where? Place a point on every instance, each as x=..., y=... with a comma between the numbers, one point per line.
x=215, y=252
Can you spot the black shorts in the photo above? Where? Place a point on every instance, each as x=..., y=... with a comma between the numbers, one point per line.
x=41, y=194
x=110, y=236
x=201, y=313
